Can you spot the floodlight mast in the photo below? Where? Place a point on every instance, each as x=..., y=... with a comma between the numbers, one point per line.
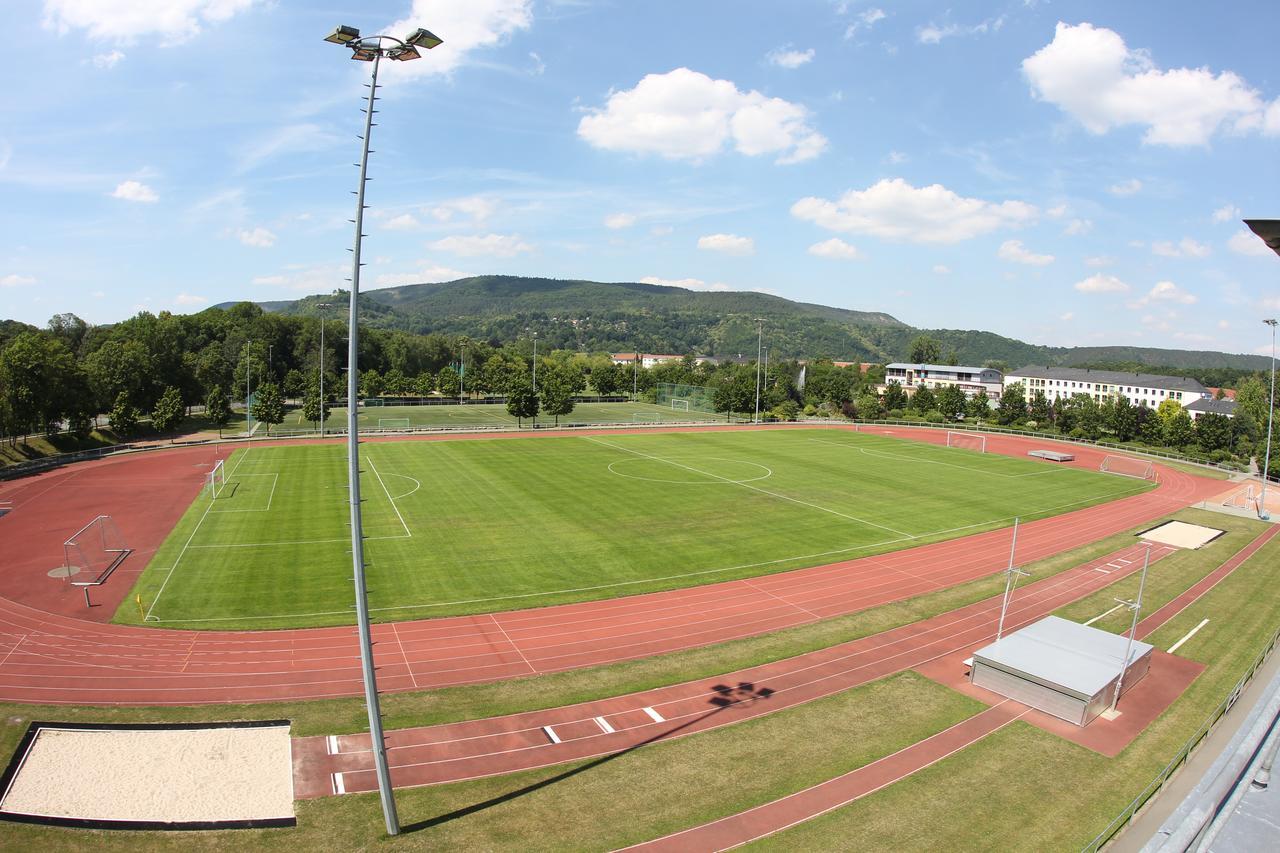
x=368, y=49
x=1268, y=230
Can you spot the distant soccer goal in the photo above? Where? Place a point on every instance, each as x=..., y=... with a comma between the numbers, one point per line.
x=372, y=402
x=1128, y=466
x=679, y=405
x=94, y=550
x=217, y=479
x=393, y=423
x=646, y=417
x=1246, y=498
x=967, y=441
x=685, y=398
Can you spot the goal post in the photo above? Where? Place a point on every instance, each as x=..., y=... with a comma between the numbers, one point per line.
x=689, y=399
x=217, y=479
x=393, y=423
x=967, y=441
x=95, y=550
x=679, y=405
x=1128, y=466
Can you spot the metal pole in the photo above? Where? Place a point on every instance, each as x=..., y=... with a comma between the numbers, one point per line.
x=1133, y=628
x=535, y=362
x=759, y=342
x=1008, y=582
x=322, y=375
x=1271, y=414
x=462, y=371
x=247, y=350
x=635, y=374
x=353, y=478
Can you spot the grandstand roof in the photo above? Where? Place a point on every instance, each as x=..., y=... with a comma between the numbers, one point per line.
x=1111, y=377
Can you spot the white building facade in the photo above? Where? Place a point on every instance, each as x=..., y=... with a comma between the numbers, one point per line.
x=971, y=380
x=1148, y=390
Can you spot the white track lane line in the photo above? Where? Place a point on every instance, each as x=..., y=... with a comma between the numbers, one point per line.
x=1188, y=636
x=1104, y=615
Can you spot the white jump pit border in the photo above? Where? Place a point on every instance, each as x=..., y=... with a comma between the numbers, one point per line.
x=1180, y=534
x=151, y=776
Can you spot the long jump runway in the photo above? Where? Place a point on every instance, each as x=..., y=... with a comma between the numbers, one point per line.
x=58, y=658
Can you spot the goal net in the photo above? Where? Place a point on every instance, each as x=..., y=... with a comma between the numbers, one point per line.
x=1245, y=498
x=393, y=423
x=967, y=441
x=1128, y=466
x=94, y=550
x=679, y=405
x=372, y=402
x=217, y=479
x=646, y=417
x=685, y=398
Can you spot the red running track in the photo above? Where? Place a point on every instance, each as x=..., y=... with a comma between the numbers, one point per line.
x=58, y=658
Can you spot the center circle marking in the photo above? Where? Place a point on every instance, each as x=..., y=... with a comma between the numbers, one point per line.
x=685, y=477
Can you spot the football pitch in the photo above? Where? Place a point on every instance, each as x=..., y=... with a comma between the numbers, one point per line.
x=475, y=525
x=471, y=415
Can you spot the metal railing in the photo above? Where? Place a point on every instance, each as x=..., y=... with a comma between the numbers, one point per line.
x=1129, y=812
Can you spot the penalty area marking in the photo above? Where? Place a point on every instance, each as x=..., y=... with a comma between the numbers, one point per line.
x=416, y=485
x=909, y=458
x=270, y=495
x=374, y=468
x=1188, y=636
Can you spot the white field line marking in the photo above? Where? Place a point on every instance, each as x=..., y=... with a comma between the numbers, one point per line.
x=1104, y=615
x=147, y=616
x=604, y=726
x=908, y=458
x=293, y=542
x=747, y=582
x=270, y=496
x=388, y=494
x=656, y=717
x=417, y=484
x=752, y=488
x=1188, y=636
x=12, y=650
x=408, y=666
x=331, y=744
x=339, y=787
x=1104, y=571
x=493, y=618
x=551, y=734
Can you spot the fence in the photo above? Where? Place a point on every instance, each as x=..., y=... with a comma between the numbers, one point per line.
x=1130, y=811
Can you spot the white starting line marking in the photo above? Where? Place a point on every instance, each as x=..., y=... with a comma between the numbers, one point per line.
x=1105, y=572
x=604, y=726
x=1188, y=636
x=551, y=734
x=657, y=718
x=1116, y=565
x=1104, y=615
x=1124, y=562
x=339, y=787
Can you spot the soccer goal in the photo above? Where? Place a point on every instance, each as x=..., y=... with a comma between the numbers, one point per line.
x=1128, y=466
x=646, y=417
x=678, y=405
x=217, y=479
x=95, y=549
x=393, y=423
x=1245, y=498
x=967, y=441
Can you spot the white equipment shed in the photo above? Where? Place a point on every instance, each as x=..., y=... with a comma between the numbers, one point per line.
x=1060, y=667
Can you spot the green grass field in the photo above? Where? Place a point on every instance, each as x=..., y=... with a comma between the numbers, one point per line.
x=471, y=415
x=465, y=526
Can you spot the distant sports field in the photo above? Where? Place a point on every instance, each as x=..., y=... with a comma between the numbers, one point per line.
x=464, y=526
x=495, y=414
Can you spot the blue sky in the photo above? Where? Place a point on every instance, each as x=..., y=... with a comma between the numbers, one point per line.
x=1065, y=173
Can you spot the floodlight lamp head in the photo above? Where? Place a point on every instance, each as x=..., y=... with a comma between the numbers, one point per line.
x=1271, y=323
x=404, y=54
x=364, y=54
x=423, y=38
x=343, y=35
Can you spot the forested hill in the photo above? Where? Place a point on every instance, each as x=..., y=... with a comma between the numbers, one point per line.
x=595, y=316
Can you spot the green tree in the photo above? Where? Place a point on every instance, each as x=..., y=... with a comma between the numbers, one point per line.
x=867, y=406
x=169, y=411
x=1121, y=418
x=294, y=384
x=424, y=383
x=925, y=350
x=268, y=408
x=894, y=397
x=1213, y=432
x=1178, y=430
x=522, y=402
x=41, y=381
x=979, y=407
x=372, y=385
x=555, y=390
x=607, y=378
x=313, y=408
x=216, y=408
x=1252, y=401
x=1012, y=408
x=448, y=381
x=951, y=402
x=924, y=400
x=123, y=415
x=1040, y=410
x=736, y=391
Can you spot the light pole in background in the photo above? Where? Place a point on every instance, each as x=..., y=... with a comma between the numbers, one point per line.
x=248, y=351
x=759, y=349
x=368, y=49
x=1269, y=231
x=322, y=306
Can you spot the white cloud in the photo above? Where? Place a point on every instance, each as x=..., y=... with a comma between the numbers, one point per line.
x=836, y=249
x=895, y=210
x=730, y=244
x=189, y=299
x=686, y=283
x=1167, y=291
x=1185, y=248
x=492, y=245
x=425, y=273
x=896, y=157
x=1247, y=243
x=271, y=280
x=933, y=33
x=661, y=230
x=320, y=278
x=786, y=57
x=403, y=222
x=1014, y=252
x=477, y=208
x=107, y=60
x=1089, y=73
x=290, y=138
x=865, y=21
x=539, y=67
x=1099, y=261
x=686, y=115
x=125, y=21
x=465, y=25
x=15, y=280
x=1100, y=283
x=1226, y=213
x=941, y=269
x=1057, y=211
x=1125, y=188
x=1077, y=227
x=617, y=221
x=135, y=191
x=258, y=238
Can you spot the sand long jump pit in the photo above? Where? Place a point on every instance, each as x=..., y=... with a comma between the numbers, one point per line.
x=152, y=776
x=1180, y=534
